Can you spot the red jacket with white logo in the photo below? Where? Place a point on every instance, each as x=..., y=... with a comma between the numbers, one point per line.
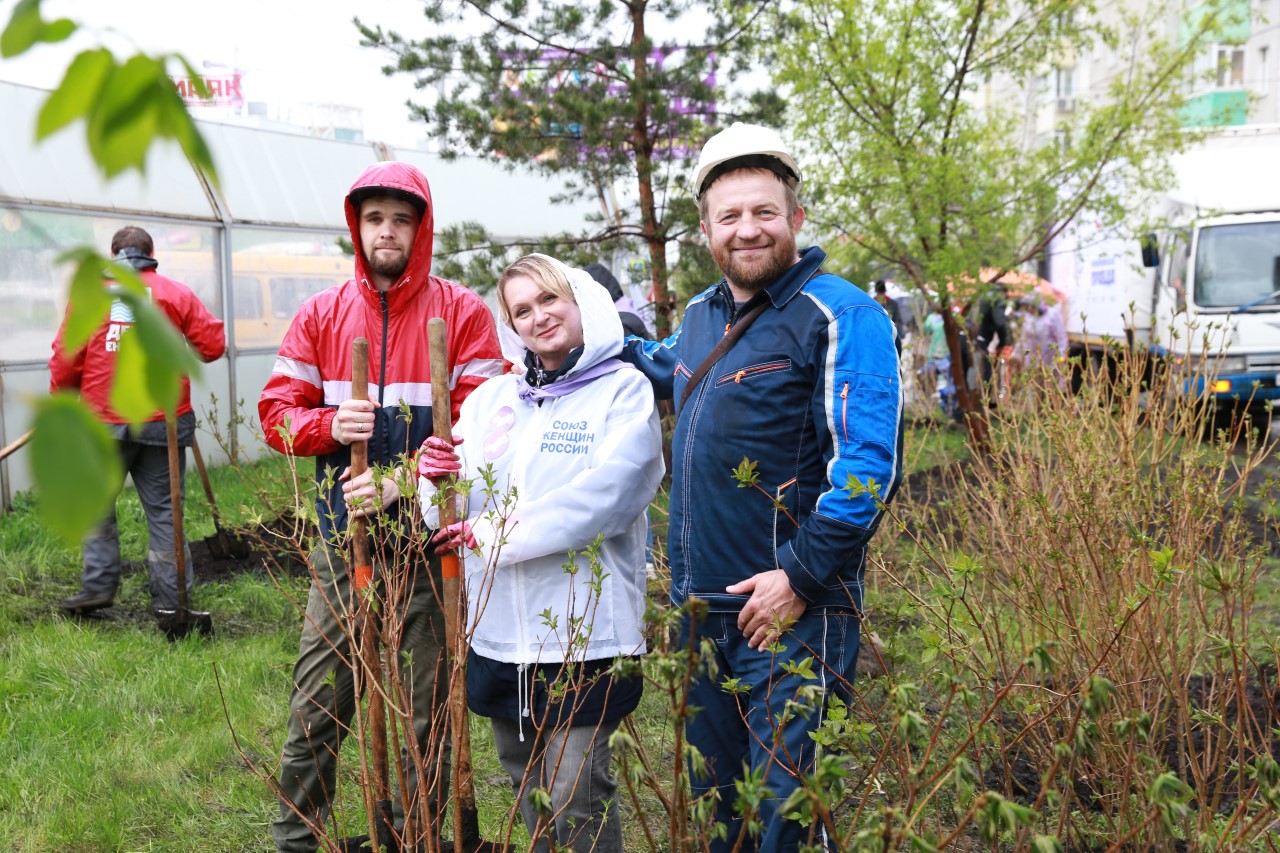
x=92, y=368
x=312, y=374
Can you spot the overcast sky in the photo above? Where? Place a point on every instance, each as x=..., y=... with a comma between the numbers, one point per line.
x=290, y=51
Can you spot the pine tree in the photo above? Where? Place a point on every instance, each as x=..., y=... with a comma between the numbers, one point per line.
x=584, y=91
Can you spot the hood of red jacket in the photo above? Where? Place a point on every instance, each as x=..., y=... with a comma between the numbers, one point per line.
x=400, y=176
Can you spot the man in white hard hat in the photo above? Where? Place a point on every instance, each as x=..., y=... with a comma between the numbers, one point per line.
x=788, y=376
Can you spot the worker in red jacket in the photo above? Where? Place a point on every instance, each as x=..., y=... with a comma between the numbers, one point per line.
x=307, y=410
x=143, y=450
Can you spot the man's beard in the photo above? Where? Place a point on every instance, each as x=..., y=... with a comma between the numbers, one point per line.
x=388, y=265
x=756, y=275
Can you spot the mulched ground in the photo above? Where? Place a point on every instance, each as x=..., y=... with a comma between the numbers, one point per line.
x=1252, y=702
x=270, y=546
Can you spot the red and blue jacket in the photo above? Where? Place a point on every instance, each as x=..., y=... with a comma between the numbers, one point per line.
x=92, y=368
x=312, y=373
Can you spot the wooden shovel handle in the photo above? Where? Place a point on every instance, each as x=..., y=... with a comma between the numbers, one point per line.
x=15, y=445
x=362, y=578
x=204, y=477
x=363, y=569
x=175, y=501
x=466, y=825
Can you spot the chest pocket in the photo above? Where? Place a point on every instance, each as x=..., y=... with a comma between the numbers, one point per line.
x=755, y=372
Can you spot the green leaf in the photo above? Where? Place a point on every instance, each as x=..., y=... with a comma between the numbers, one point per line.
x=176, y=123
x=76, y=95
x=126, y=277
x=88, y=298
x=125, y=145
x=59, y=30
x=1046, y=844
x=75, y=466
x=26, y=27
x=124, y=121
x=169, y=359
x=130, y=390
x=195, y=77
x=23, y=30
x=152, y=380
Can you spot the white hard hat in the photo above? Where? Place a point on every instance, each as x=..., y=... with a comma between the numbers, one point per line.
x=741, y=146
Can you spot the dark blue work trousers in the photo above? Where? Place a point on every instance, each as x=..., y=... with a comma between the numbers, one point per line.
x=732, y=729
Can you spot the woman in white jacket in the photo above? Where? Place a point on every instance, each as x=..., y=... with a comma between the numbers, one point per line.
x=562, y=457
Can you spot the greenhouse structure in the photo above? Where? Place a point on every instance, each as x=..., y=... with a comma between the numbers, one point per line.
x=253, y=247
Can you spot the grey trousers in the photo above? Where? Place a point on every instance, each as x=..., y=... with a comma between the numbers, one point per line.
x=324, y=701
x=572, y=764
x=149, y=467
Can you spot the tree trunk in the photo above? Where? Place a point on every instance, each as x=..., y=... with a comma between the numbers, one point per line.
x=643, y=142
x=969, y=401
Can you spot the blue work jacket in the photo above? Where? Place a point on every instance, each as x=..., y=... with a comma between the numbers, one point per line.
x=809, y=398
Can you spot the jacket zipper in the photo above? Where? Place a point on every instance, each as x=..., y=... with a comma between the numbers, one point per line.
x=382, y=370
x=844, y=411
x=752, y=371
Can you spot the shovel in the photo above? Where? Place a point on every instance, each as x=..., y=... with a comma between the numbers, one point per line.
x=466, y=820
x=222, y=546
x=370, y=670
x=178, y=623
x=16, y=444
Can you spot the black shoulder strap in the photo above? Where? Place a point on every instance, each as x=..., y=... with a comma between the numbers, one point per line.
x=730, y=338
x=725, y=344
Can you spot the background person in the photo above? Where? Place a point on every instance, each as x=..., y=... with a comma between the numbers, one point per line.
x=993, y=330
x=1042, y=342
x=938, y=360
x=810, y=395
x=632, y=324
x=144, y=451
x=890, y=305
x=306, y=410
x=574, y=437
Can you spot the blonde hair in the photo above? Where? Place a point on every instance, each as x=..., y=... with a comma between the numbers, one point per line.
x=546, y=273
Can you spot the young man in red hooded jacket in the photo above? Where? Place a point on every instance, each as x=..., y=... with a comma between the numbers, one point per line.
x=144, y=451
x=306, y=410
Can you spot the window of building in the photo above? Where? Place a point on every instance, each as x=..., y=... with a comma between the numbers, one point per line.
x=1044, y=87
x=33, y=285
x=1223, y=65
x=1264, y=71
x=1064, y=80
x=1230, y=67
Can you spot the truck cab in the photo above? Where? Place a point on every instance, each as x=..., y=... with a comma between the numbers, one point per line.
x=1203, y=288
x=1218, y=291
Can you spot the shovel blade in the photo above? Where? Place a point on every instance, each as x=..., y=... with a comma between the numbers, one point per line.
x=177, y=624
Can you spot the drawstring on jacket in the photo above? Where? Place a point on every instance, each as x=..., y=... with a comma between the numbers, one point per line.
x=522, y=698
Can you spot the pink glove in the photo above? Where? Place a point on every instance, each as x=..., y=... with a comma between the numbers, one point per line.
x=453, y=537
x=438, y=461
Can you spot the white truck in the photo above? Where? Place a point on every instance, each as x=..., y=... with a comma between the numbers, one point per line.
x=1204, y=289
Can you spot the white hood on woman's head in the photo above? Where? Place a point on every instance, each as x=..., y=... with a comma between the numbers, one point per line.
x=601, y=327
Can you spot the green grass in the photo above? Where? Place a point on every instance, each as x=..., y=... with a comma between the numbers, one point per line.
x=114, y=739
x=928, y=443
